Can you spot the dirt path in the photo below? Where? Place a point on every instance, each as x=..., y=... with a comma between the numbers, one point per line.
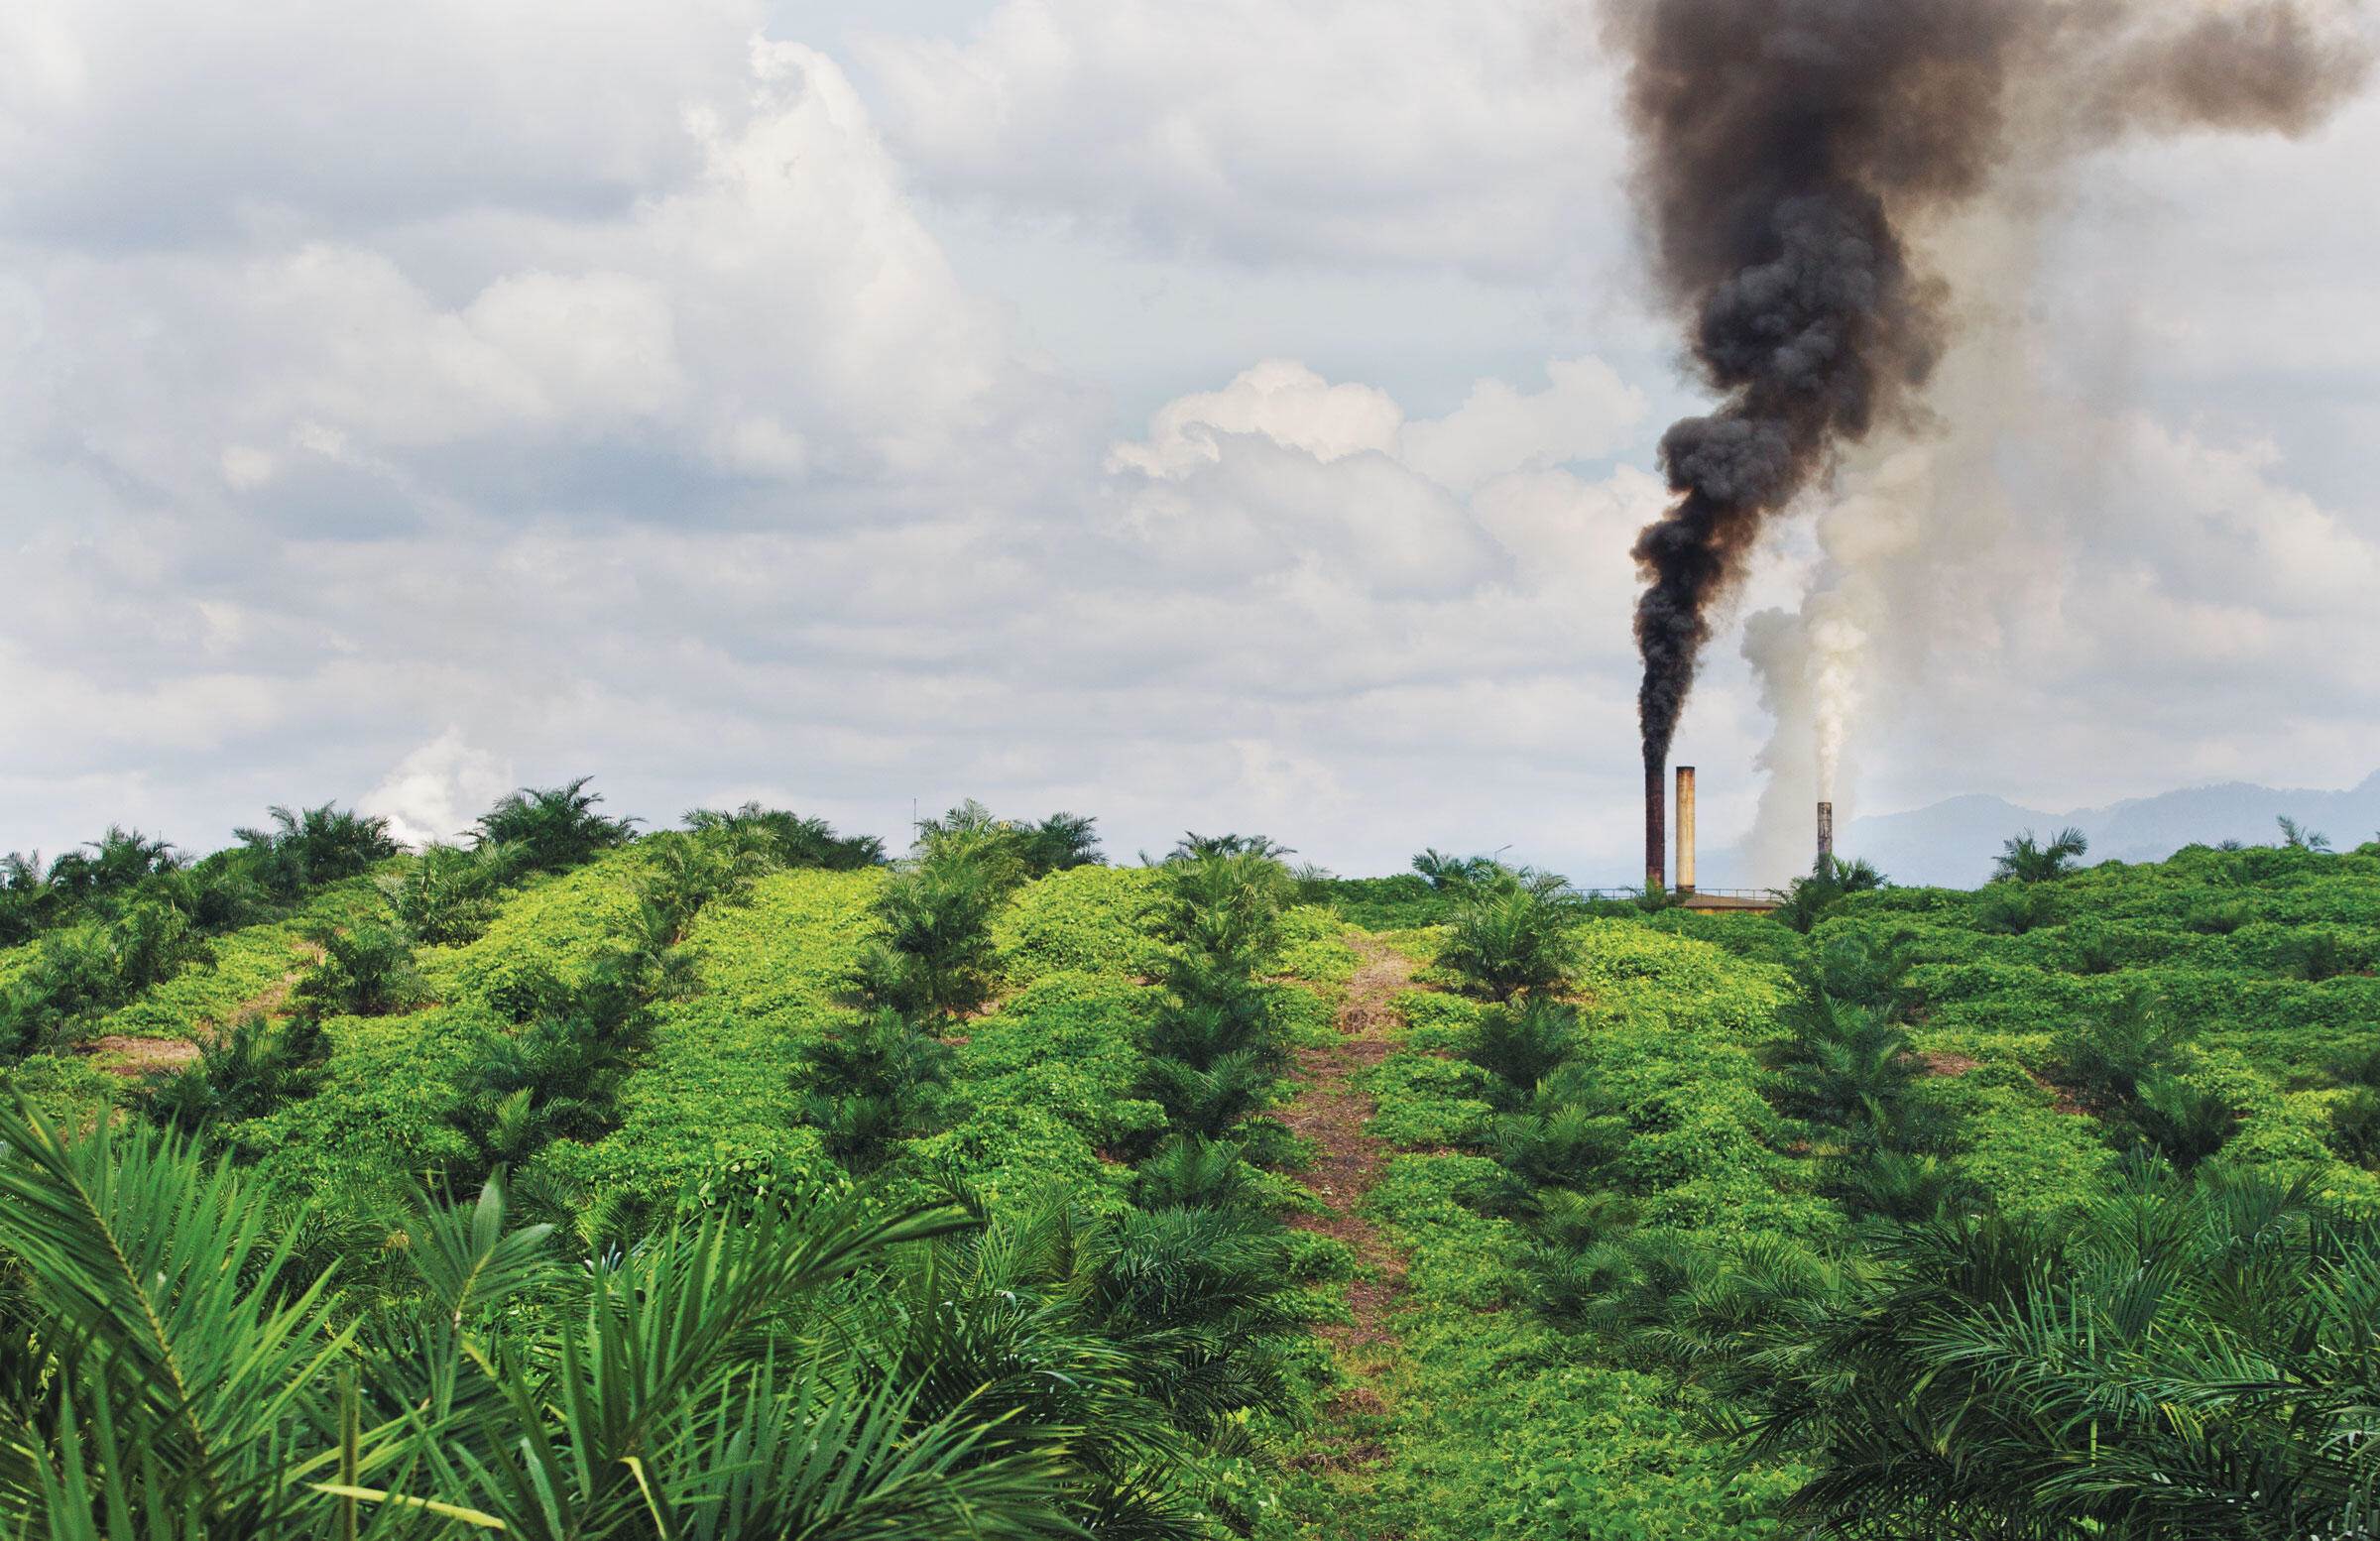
x=1332, y=1112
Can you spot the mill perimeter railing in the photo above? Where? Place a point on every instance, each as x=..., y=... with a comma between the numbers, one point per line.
x=1699, y=891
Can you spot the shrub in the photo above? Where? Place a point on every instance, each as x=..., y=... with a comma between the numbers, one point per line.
x=308, y=847
x=934, y=953
x=445, y=896
x=1444, y=872
x=367, y=970
x=1223, y=909
x=869, y=1084
x=2026, y=858
x=1059, y=843
x=549, y=828
x=1522, y=1044
x=1210, y=1099
x=28, y=901
x=1809, y=899
x=114, y=864
x=1902, y=1186
x=1199, y=1303
x=1191, y=1173
x=244, y=1073
x=2218, y=918
x=2355, y=1125
x=559, y=1076
x=1958, y=1391
x=1569, y=1131
x=1513, y=932
x=2183, y=1122
x=1194, y=846
x=788, y=839
x=2012, y=909
x=2104, y=1059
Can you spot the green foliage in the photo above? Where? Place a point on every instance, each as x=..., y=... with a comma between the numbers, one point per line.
x=366, y=970
x=1193, y=847
x=245, y=1073
x=189, y=1371
x=934, y=951
x=550, y=828
x=2354, y=1130
x=445, y=896
x=1808, y=900
x=80, y=974
x=2026, y=858
x=1512, y=931
x=1087, y=919
x=2167, y=1363
x=2012, y=907
x=2295, y=837
x=2183, y=1122
x=1568, y=1135
x=1845, y=1066
x=307, y=848
x=1058, y=843
x=1191, y=1173
x=1453, y=872
x=116, y=863
x=1213, y=1099
x=1522, y=1044
x=869, y=1084
x=1641, y=1205
x=1381, y=904
x=28, y=901
x=2105, y=1058
x=788, y=839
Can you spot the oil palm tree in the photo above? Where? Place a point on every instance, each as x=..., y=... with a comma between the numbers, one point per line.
x=1514, y=931
x=305, y=847
x=545, y=829
x=182, y=1378
x=2024, y=859
x=2180, y=1360
x=1521, y=1043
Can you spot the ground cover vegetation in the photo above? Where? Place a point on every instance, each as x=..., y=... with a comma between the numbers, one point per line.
x=742, y=1179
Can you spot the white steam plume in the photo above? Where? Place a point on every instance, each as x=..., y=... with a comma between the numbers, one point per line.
x=1912, y=533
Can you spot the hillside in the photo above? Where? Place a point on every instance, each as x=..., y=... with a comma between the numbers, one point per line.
x=1951, y=843
x=1025, y=1192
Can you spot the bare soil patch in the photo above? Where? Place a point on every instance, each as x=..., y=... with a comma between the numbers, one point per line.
x=122, y=1055
x=1331, y=1112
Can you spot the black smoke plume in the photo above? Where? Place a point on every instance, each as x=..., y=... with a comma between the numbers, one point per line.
x=1785, y=148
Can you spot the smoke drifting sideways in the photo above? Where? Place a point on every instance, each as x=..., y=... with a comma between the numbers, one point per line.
x=1790, y=154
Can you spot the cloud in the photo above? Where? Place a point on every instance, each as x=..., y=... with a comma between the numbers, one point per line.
x=776, y=316
x=1471, y=135
x=437, y=791
x=133, y=123
x=549, y=391
x=1586, y=410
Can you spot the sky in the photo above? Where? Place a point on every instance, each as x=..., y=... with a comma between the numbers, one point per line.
x=1228, y=416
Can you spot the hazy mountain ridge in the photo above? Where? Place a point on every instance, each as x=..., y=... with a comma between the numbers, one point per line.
x=1951, y=843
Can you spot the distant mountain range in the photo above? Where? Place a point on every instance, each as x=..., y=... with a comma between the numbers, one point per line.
x=1951, y=844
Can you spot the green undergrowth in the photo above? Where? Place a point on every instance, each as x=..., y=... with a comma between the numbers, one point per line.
x=247, y=964
x=1507, y=1410
x=1501, y=1424
x=2259, y=962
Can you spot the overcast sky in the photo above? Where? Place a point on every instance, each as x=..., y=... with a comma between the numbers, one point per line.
x=1230, y=415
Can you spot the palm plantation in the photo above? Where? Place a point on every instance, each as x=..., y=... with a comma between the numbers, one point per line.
x=732, y=1180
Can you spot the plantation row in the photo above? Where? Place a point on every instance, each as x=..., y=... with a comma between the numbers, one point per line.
x=736, y=1181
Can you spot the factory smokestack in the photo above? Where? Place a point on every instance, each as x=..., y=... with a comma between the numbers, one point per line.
x=1685, y=829
x=1656, y=831
x=1786, y=152
x=1826, y=838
